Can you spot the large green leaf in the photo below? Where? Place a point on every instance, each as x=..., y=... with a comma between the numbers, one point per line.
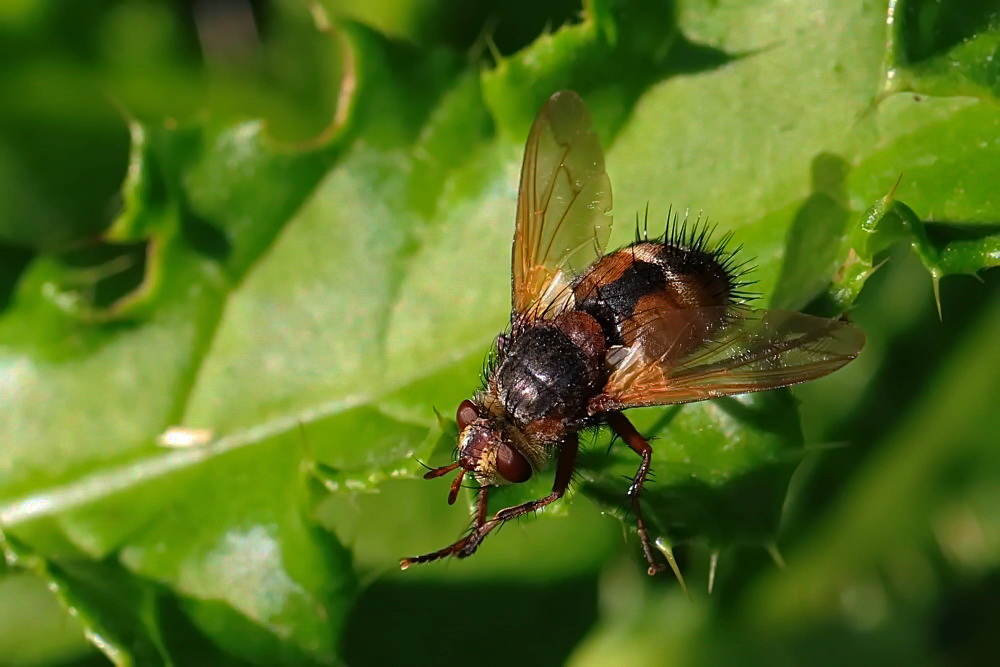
x=298, y=310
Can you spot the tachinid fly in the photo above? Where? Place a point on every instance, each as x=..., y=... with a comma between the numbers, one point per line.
x=658, y=322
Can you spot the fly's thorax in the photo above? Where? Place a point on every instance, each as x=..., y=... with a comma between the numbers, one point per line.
x=550, y=370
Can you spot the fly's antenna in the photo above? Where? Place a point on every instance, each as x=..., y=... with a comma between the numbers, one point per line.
x=455, y=486
x=434, y=473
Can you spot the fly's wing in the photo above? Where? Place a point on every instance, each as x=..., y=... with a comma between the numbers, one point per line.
x=563, y=207
x=682, y=356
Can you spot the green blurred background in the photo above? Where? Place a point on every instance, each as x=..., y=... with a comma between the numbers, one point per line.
x=890, y=540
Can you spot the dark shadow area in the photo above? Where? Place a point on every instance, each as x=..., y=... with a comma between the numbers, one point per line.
x=104, y=273
x=647, y=48
x=74, y=199
x=742, y=506
x=81, y=288
x=688, y=57
x=489, y=625
x=511, y=24
x=942, y=233
x=968, y=618
x=13, y=262
x=205, y=238
x=912, y=361
x=929, y=28
x=187, y=645
x=765, y=414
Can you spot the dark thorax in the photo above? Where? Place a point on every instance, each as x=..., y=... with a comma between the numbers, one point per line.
x=547, y=373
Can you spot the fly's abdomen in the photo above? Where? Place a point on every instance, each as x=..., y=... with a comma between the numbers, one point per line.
x=656, y=280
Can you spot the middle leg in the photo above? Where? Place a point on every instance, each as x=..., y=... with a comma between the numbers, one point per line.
x=627, y=432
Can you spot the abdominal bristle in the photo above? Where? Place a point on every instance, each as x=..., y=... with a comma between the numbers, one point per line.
x=696, y=246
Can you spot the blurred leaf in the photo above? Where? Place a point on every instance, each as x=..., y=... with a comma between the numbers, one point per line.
x=43, y=632
x=892, y=498
x=108, y=603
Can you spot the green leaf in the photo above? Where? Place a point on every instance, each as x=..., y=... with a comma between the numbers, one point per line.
x=218, y=406
x=943, y=48
x=116, y=610
x=721, y=470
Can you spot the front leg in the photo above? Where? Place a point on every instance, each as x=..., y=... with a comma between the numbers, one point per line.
x=458, y=547
x=564, y=473
x=467, y=546
x=626, y=431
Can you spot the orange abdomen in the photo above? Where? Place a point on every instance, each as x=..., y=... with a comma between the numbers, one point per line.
x=687, y=286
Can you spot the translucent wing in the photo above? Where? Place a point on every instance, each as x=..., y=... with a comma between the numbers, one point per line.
x=563, y=207
x=682, y=356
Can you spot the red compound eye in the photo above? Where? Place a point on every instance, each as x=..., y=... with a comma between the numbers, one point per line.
x=512, y=465
x=466, y=414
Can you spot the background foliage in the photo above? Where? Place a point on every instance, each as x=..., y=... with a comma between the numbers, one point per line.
x=283, y=228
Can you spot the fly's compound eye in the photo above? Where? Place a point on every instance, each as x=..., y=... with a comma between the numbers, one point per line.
x=512, y=465
x=466, y=414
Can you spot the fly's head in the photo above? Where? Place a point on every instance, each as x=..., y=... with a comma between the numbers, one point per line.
x=485, y=450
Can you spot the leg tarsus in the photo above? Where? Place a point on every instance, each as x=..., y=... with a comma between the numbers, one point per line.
x=624, y=429
x=463, y=547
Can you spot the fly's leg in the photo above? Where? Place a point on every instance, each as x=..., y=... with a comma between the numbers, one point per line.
x=467, y=546
x=564, y=473
x=459, y=547
x=626, y=431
